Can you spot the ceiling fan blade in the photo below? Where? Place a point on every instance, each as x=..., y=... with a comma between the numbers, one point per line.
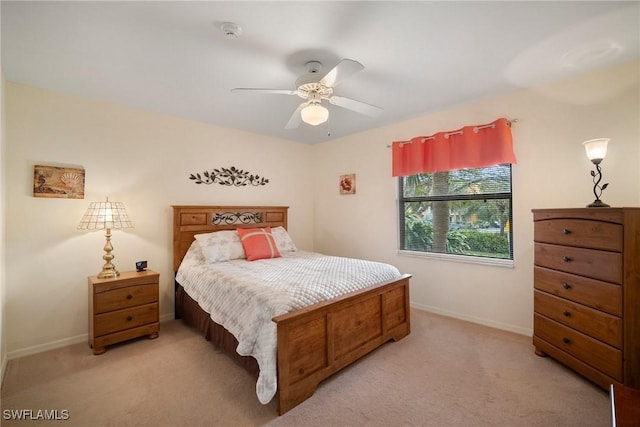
x=259, y=90
x=296, y=118
x=357, y=106
x=345, y=69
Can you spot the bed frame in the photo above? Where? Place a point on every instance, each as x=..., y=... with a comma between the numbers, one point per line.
x=313, y=342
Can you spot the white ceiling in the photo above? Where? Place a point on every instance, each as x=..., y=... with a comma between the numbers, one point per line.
x=171, y=57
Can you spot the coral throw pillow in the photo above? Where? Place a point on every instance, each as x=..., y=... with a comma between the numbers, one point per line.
x=258, y=243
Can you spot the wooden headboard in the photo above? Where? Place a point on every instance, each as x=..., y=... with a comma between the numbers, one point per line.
x=191, y=220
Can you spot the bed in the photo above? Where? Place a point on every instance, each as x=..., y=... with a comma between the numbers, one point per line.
x=312, y=342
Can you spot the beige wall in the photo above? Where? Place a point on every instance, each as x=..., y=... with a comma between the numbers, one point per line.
x=139, y=158
x=144, y=160
x=552, y=171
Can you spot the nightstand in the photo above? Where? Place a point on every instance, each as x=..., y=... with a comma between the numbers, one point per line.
x=123, y=308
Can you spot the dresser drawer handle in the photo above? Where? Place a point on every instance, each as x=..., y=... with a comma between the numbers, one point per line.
x=566, y=231
x=566, y=285
x=566, y=340
x=566, y=313
x=566, y=259
x=129, y=296
x=129, y=318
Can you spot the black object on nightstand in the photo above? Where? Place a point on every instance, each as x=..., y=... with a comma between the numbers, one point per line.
x=141, y=266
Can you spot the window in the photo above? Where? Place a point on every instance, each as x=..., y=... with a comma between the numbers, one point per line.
x=460, y=212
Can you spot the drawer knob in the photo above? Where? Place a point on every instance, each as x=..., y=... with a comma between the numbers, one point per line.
x=566, y=259
x=566, y=313
x=566, y=340
x=129, y=318
x=566, y=286
x=566, y=231
x=129, y=296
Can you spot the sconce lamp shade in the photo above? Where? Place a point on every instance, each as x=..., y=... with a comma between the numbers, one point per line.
x=596, y=149
x=314, y=114
x=105, y=216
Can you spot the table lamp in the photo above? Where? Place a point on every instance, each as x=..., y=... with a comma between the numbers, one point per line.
x=596, y=151
x=106, y=215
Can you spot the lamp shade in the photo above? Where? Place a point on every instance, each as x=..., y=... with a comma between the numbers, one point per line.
x=105, y=215
x=596, y=148
x=314, y=114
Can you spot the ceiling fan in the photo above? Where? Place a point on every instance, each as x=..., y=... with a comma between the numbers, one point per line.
x=315, y=89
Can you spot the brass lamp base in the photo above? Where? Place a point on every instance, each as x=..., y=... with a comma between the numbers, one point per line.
x=108, y=272
x=108, y=269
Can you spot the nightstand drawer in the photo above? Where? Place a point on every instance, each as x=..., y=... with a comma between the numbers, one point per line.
x=600, y=265
x=124, y=319
x=126, y=297
x=580, y=232
x=594, y=323
x=591, y=351
x=597, y=294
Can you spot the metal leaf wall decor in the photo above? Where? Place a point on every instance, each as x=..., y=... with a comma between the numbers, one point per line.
x=228, y=176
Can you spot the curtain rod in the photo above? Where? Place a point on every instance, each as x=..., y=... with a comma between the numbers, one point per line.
x=458, y=132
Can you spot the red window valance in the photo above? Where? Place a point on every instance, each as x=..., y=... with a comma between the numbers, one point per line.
x=470, y=147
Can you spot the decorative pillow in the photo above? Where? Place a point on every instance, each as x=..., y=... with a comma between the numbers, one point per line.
x=220, y=246
x=283, y=240
x=258, y=243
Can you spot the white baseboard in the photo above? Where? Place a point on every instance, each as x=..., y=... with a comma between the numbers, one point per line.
x=473, y=319
x=26, y=351
x=165, y=317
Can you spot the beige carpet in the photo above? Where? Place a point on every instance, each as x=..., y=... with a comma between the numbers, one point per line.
x=446, y=373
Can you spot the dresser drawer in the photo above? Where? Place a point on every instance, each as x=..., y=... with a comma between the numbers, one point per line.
x=580, y=232
x=597, y=294
x=124, y=319
x=600, y=265
x=126, y=297
x=593, y=352
x=594, y=323
x=573, y=363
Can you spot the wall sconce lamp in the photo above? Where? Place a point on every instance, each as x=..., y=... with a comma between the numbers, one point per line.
x=596, y=151
x=101, y=216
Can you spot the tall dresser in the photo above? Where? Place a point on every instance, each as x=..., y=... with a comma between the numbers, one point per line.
x=587, y=291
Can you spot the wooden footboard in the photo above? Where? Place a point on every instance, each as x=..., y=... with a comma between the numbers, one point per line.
x=319, y=340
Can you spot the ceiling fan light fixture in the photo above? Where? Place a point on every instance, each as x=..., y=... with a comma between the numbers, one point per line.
x=314, y=114
x=314, y=89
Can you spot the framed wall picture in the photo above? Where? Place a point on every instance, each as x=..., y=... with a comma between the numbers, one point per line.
x=58, y=182
x=348, y=184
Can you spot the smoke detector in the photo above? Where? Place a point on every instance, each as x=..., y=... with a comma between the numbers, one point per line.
x=231, y=30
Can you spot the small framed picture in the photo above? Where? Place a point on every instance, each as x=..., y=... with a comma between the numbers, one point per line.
x=58, y=182
x=348, y=184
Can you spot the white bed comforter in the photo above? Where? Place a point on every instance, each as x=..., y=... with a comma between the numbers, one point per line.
x=243, y=296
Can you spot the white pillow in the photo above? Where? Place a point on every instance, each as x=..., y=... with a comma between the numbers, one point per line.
x=220, y=246
x=283, y=240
